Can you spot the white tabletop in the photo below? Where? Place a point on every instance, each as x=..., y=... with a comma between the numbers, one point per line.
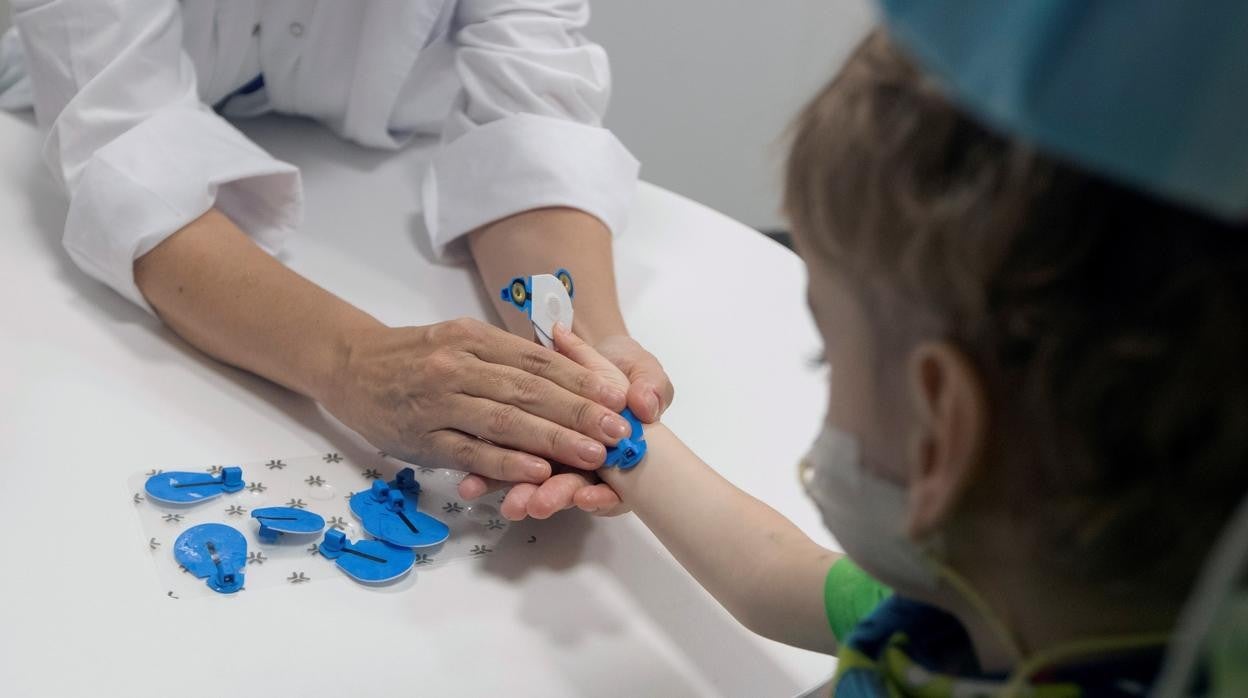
x=94, y=390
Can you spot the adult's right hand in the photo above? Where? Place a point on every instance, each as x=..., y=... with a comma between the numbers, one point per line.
x=469, y=396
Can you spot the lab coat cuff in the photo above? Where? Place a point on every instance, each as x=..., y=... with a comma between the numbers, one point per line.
x=521, y=163
x=164, y=173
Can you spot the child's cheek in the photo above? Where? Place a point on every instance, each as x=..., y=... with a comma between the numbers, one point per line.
x=851, y=398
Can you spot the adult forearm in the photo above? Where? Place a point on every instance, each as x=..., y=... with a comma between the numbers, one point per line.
x=458, y=394
x=541, y=241
x=218, y=290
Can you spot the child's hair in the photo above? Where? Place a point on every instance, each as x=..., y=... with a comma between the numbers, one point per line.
x=1110, y=328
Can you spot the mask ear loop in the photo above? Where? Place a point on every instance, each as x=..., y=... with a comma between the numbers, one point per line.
x=1026, y=665
x=980, y=606
x=804, y=473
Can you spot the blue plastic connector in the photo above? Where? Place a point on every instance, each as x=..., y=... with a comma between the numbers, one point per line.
x=565, y=278
x=395, y=501
x=215, y=552
x=405, y=481
x=631, y=449
x=187, y=488
x=379, y=491
x=519, y=292
x=232, y=478
x=332, y=544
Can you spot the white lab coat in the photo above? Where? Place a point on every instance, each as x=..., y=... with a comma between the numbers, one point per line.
x=122, y=89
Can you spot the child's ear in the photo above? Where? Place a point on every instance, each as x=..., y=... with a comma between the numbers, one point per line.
x=947, y=440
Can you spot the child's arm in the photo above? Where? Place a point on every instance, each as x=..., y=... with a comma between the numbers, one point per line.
x=755, y=562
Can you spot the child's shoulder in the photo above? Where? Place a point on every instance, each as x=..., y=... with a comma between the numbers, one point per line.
x=916, y=647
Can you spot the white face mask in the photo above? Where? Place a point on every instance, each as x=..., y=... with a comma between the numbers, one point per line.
x=865, y=512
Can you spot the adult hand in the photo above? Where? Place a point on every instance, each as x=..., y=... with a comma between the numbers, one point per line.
x=465, y=395
x=536, y=242
x=649, y=392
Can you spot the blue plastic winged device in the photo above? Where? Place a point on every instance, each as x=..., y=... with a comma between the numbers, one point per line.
x=388, y=512
x=274, y=521
x=545, y=298
x=631, y=449
x=213, y=551
x=370, y=561
x=186, y=488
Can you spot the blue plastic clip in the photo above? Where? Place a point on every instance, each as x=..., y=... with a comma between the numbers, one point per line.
x=520, y=291
x=214, y=551
x=274, y=521
x=631, y=449
x=370, y=561
x=184, y=488
x=389, y=513
x=405, y=481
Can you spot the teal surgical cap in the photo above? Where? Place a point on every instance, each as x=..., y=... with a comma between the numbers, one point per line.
x=1150, y=92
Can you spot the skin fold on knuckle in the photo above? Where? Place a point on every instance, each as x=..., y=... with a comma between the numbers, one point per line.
x=466, y=453
x=503, y=421
x=527, y=391
x=536, y=362
x=586, y=417
x=554, y=440
x=586, y=383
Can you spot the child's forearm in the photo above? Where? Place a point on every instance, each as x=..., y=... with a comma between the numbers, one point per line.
x=759, y=565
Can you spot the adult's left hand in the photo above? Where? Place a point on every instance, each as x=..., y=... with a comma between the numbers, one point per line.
x=650, y=392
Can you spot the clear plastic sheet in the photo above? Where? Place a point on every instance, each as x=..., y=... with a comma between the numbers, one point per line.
x=317, y=483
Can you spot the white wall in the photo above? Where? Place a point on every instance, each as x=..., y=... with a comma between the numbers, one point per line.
x=705, y=88
x=4, y=15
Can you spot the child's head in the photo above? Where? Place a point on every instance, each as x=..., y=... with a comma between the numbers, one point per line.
x=1027, y=347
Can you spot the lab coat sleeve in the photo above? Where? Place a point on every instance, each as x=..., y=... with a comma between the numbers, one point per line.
x=127, y=136
x=527, y=130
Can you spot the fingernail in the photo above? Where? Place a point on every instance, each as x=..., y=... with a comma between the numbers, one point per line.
x=612, y=395
x=652, y=403
x=615, y=426
x=537, y=470
x=591, y=451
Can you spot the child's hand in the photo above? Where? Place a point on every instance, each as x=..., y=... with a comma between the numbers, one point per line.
x=570, y=487
x=581, y=352
x=650, y=391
